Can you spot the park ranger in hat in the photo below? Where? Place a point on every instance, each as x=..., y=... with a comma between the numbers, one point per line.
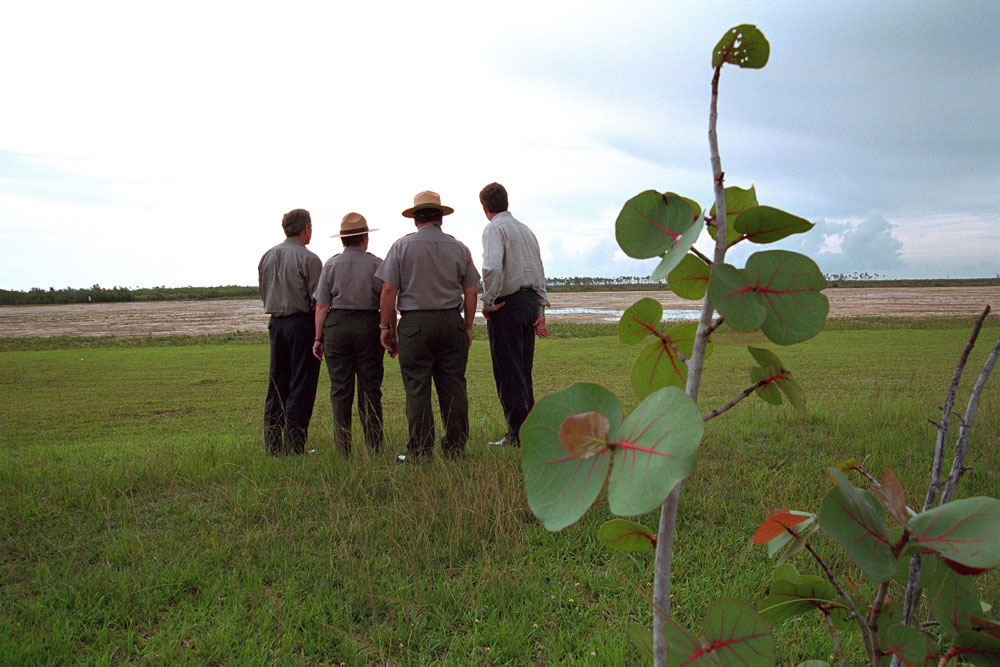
x=347, y=333
x=430, y=278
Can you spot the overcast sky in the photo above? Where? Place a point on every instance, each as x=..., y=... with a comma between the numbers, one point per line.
x=146, y=144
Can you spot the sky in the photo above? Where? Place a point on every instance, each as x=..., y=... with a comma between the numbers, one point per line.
x=147, y=144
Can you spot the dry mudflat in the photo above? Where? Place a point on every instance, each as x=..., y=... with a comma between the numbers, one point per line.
x=167, y=318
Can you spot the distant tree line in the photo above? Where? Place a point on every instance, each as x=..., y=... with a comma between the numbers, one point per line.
x=98, y=294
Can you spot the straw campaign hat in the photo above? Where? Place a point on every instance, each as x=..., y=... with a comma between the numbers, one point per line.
x=427, y=199
x=352, y=225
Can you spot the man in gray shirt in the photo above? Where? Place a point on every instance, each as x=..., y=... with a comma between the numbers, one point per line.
x=287, y=276
x=430, y=277
x=514, y=301
x=347, y=301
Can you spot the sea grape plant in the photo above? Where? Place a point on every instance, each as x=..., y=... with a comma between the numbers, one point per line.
x=572, y=438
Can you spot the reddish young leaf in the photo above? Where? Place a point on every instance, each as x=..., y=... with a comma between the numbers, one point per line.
x=892, y=496
x=959, y=568
x=777, y=523
x=584, y=435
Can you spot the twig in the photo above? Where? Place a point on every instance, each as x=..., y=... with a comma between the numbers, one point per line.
x=962, y=448
x=865, y=634
x=700, y=255
x=715, y=325
x=744, y=394
x=673, y=346
x=878, y=485
x=835, y=637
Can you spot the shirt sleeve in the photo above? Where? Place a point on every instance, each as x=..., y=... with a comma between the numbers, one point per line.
x=388, y=270
x=492, y=265
x=322, y=294
x=471, y=278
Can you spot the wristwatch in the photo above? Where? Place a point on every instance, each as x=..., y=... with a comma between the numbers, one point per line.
x=383, y=326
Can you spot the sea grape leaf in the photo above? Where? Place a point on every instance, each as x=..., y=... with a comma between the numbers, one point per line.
x=953, y=601
x=642, y=638
x=584, y=435
x=891, y=493
x=853, y=518
x=744, y=45
x=966, y=531
x=640, y=320
x=737, y=634
x=779, y=291
x=765, y=224
x=677, y=252
x=986, y=625
x=695, y=206
x=654, y=449
x=622, y=535
x=781, y=378
x=778, y=523
x=978, y=649
x=650, y=224
x=729, y=293
x=689, y=279
x=658, y=365
x=804, y=531
x=683, y=648
x=769, y=393
x=906, y=642
x=737, y=201
x=793, y=594
x=561, y=486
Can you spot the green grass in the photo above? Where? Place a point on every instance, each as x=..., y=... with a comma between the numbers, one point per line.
x=140, y=520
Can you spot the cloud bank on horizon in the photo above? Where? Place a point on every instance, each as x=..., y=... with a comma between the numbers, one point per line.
x=153, y=145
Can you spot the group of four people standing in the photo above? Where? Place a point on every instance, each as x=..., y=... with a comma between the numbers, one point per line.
x=346, y=312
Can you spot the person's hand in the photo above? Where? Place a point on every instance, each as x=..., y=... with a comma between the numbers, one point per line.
x=495, y=307
x=389, y=341
x=539, y=325
x=318, y=349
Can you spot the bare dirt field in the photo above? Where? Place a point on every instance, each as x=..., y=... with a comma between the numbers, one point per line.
x=166, y=318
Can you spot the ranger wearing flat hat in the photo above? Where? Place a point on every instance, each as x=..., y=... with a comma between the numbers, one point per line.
x=347, y=333
x=430, y=278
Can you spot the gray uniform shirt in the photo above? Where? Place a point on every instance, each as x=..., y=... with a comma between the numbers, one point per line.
x=348, y=281
x=287, y=275
x=430, y=269
x=511, y=260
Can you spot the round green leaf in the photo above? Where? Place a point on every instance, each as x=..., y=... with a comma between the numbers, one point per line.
x=744, y=46
x=730, y=294
x=764, y=224
x=682, y=647
x=622, y=535
x=854, y=518
x=780, y=379
x=640, y=320
x=561, y=486
x=676, y=253
x=737, y=201
x=654, y=449
x=978, y=648
x=966, y=531
x=658, y=366
x=906, y=642
x=689, y=279
x=737, y=635
x=650, y=224
x=794, y=594
x=642, y=639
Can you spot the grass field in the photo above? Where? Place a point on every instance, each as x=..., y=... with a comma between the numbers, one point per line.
x=141, y=521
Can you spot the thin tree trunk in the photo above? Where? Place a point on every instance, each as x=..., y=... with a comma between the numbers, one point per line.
x=668, y=512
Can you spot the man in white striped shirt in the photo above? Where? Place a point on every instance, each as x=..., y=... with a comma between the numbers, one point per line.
x=514, y=302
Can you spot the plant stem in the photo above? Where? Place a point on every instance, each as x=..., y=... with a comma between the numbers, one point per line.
x=668, y=511
x=744, y=394
x=865, y=635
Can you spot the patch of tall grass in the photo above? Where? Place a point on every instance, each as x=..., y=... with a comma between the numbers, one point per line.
x=140, y=519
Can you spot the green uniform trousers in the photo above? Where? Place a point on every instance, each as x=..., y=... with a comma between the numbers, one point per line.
x=354, y=353
x=433, y=345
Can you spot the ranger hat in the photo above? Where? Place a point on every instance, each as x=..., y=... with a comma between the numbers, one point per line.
x=425, y=200
x=353, y=224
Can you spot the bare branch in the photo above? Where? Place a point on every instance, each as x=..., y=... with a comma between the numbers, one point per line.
x=715, y=325
x=744, y=394
x=962, y=448
x=848, y=601
x=673, y=347
x=700, y=255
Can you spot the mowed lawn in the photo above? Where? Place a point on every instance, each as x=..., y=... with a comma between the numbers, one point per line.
x=141, y=521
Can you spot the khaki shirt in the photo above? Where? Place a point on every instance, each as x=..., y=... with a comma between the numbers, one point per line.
x=287, y=275
x=430, y=269
x=348, y=281
x=511, y=260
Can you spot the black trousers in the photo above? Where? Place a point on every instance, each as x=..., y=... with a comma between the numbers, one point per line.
x=291, y=384
x=354, y=353
x=433, y=346
x=512, y=347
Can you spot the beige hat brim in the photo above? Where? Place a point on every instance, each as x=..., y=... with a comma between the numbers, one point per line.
x=356, y=233
x=445, y=210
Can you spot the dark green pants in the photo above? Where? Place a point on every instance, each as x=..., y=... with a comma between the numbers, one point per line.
x=354, y=354
x=433, y=346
